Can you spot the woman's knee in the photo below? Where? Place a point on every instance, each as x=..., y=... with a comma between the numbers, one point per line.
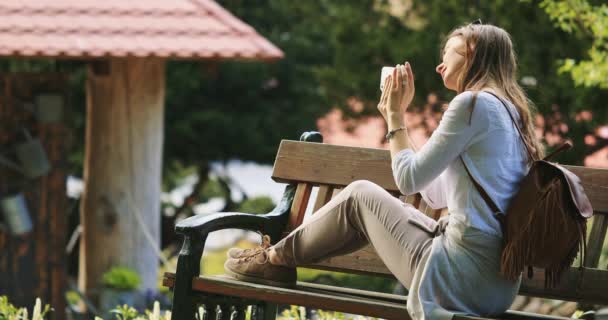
x=361, y=185
x=359, y=188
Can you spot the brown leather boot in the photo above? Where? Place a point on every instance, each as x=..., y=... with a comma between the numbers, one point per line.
x=236, y=253
x=254, y=266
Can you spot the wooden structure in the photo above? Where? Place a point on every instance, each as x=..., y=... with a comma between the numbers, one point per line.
x=34, y=264
x=125, y=45
x=303, y=165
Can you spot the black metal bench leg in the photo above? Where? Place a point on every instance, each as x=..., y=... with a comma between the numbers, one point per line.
x=266, y=311
x=237, y=312
x=255, y=313
x=221, y=313
x=188, y=267
x=208, y=312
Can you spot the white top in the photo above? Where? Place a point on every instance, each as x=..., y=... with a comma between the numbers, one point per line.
x=460, y=272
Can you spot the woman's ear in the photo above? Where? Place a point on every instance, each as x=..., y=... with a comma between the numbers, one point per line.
x=471, y=46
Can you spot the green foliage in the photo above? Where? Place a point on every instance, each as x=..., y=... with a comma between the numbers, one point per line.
x=29, y=65
x=327, y=315
x=293, y=313
x=589, y=21
x=126, y=312
x=72, y=297
x=121, y=278
x=300, y=313
x=9, y=312
x=218, y=111
x=211, y=189
x=257, y=205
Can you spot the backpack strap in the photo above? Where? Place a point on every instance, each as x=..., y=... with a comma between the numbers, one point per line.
x=495, y=210
x=483, y=193
x=565, y=146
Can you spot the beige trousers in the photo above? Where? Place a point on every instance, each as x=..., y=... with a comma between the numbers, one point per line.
x=363, y=213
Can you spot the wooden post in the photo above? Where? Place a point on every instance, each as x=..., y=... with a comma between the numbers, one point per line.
x=34, y=265
x=120, y=209
x=53, y=199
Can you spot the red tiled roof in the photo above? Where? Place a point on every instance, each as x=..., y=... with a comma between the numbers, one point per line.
x=196, y=29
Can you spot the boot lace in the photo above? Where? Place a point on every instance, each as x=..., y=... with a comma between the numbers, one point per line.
x=261, y=249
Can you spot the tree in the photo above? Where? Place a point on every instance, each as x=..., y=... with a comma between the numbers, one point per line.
x=589, y=21
x=362, y=36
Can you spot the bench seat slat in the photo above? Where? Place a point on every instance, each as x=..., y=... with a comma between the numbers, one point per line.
x=299, y=296
x=370, y=303
x=354, y=292
x=592, y=288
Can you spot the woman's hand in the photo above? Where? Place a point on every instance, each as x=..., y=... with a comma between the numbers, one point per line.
x=398, y=92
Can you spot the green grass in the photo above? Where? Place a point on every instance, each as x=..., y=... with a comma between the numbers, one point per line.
x=213, y=263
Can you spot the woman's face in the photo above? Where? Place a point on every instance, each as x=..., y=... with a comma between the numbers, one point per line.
x=452, y=62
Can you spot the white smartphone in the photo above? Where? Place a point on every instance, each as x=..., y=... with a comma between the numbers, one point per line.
x=386, y=71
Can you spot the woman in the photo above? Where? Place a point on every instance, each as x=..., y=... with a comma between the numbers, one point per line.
x=451, y=266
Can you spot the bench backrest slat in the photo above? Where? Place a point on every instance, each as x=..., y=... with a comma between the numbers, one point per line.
x=299, y=205
x=324, y=194
x=595, y=182
x=319, y=163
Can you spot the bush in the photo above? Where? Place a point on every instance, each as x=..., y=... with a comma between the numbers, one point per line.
x=129, y=313
x=121, y=278
x=257, y=205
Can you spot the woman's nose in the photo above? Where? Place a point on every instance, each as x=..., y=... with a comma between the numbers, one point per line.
x=440, y=68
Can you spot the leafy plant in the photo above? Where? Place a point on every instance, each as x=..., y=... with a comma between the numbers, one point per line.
x=299, y=313
x=126, y=312
x=121, y=278
x=9, y=312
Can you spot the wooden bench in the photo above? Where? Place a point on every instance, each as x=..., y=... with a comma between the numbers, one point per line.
x=307, y=164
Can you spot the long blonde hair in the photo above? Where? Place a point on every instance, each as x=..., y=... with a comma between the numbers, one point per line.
x=489, y=56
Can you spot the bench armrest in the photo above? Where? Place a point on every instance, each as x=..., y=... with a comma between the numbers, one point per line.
x=271, y=223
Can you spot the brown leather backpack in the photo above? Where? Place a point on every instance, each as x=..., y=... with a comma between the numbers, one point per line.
x=545, y=223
